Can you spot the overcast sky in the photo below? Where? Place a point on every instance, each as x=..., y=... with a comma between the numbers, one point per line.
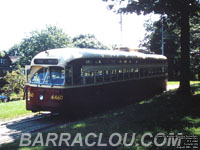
x=20, y=17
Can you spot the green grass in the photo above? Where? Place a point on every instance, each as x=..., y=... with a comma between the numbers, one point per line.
x=10, y=110
x=165, y=113
x=15, y=96
x=177, y=82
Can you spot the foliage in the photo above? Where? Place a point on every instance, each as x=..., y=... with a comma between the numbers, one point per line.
x=195, y=47
x=2, y=54
x=172, y=47
x=87, y=41
x=15, y=50
x=178, y=11
x=15, y=82
x=152, y=41
x=169, y=7
x=49, y=38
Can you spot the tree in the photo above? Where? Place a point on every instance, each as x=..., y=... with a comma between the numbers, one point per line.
x=15, y=50
x=49, y=38
x=88, y=41
x=15, y=82
x=174, y=9
x=152, y=41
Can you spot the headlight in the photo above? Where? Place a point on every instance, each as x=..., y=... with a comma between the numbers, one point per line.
x=41, y=97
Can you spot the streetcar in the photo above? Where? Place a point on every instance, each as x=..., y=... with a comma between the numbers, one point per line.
x=74, y=79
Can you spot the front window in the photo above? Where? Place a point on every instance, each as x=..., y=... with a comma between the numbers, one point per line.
x=49, y=76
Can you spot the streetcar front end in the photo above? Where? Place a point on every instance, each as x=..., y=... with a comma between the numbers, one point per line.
x=45, y=88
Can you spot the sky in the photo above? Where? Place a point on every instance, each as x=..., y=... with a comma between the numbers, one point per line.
x=19, y=17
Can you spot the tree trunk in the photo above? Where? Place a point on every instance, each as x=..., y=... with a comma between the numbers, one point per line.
x=184, y=88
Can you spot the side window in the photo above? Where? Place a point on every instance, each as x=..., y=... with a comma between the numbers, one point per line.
x=160, y=70
x=99, y=76
x=150, y=72
x=157, y=71
x=114, y=74
x=120, y=74
x=97, y=62
x=126, y=73
x=141, y=72
x=113, y=61
x=132, y=72
x=89, y=77
x=136, y=73
x=146, y=70
x=154, y=71
x=166, y=69
x=119, y=61
x=106, y=75
x=163, y=70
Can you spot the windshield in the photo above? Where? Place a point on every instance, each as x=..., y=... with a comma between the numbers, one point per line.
x=49, y=76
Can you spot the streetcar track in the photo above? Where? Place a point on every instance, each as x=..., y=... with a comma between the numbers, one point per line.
x=11, y=130
x=26, y=119
x=15, y=135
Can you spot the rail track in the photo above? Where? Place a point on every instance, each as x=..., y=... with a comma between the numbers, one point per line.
x=11, y=130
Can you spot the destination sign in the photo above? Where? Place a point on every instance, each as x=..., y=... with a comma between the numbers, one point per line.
x=46, y=61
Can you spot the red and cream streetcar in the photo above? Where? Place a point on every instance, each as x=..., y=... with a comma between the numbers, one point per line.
x=73, y=79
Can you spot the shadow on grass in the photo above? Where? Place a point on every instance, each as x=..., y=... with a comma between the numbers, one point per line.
x=165, y=113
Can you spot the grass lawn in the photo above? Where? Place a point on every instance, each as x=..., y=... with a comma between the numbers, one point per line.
x=165, y=113
x=14, y=109
x=177, y=82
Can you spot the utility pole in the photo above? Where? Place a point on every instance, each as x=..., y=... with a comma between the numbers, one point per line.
x=162, y=36
x=121, y=30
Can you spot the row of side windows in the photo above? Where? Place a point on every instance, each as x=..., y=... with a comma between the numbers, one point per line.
x=109, y=75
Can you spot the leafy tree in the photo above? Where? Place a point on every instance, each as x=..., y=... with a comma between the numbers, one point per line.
x=2, y=53
x=152, y=41
x=15, y=50
x=15, y=82
x=87, y=41
x=176, y=10
x=49, y=38
x=195, y=46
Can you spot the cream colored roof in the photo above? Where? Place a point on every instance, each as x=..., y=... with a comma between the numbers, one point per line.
x=65, y=55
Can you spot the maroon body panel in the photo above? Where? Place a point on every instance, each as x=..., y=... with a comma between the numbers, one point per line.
x=93, y=97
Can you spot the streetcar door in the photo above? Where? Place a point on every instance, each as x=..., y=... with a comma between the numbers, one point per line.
x=27, y=72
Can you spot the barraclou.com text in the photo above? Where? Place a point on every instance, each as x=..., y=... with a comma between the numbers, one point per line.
x=94, y=139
